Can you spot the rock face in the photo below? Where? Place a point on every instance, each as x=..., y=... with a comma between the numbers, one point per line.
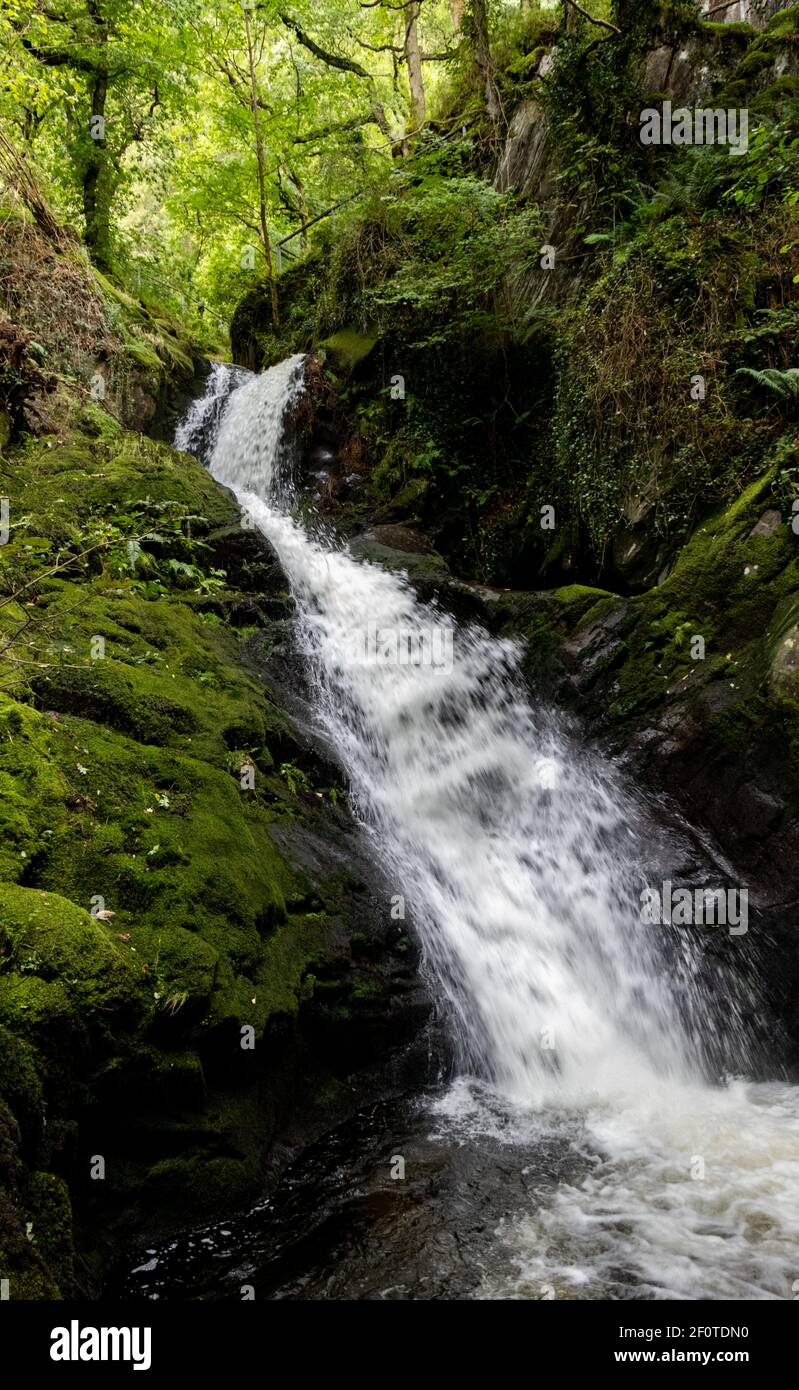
x=756, y=12
x=133, y=364
x=198, y=967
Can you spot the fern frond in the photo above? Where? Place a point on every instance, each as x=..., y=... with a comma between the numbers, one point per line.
x=783, y=384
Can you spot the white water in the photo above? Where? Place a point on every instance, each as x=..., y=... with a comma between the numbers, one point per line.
x=521, y=860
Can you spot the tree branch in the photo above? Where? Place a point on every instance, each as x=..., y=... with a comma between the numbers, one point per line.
x=337, y=128
x=603, y=23
x=333, y=60
x=60, y=59
x=377, y=47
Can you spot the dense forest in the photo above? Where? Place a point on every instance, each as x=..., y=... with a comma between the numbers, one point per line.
x=513, y=287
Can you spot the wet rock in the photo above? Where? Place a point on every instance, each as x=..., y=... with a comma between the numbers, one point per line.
x=399, y=548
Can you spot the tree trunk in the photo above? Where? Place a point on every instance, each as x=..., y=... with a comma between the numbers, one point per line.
x=413, y=58
x=259, y=154
x=96, y=180
x=482, y=57
x=456, y=11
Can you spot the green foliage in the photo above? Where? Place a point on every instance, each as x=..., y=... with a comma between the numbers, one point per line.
x=771, y=166
x=294, y=777
x=588, y=94
x=451, y=244
x=784, y=384
x=168, y=192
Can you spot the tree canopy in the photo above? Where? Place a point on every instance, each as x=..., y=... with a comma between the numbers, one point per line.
x=193, y=144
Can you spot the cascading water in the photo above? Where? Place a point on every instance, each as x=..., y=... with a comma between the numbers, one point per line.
x=522, y=860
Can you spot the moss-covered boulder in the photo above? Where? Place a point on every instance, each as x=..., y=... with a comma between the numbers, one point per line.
x=161, y=944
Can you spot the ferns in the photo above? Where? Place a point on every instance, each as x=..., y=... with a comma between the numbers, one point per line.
x=785, y=384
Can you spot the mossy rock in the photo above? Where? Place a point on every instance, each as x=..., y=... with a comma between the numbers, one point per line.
x=199, y=1183
x=347, y=349
x=151, y=1081
x=121, y=793
x=21, y=1263
x=21, y=1091
x=581, y=599
x=97, y=423
x=105, y=695
x=57, y=958
x=417, y=566
x=49, y=1228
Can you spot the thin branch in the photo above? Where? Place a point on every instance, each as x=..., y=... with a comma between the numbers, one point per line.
x=603, y=23
x=377, y=47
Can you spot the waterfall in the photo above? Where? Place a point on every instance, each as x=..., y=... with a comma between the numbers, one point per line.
x=521, y=858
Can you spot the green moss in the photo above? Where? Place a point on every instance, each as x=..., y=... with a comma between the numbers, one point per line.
x=783, y=25
x=50, y=1223
x=764, y=50
x=418, y=566
x=97, y=423
x=581, y=599
x=600, y=610
x=144, y=354
x=29, y=1277
x=209, y=1184
x=736, y=587
x=66, y=981
x=121, y=792
x=288, y=956
x=133, y=702
x=21, y=1090
x=769, y=101
x=347, y=348
x=730, y=31
x=752, y=64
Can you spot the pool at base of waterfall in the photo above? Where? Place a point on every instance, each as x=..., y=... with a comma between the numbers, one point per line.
x=456, y=1194
x=404, y=1201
